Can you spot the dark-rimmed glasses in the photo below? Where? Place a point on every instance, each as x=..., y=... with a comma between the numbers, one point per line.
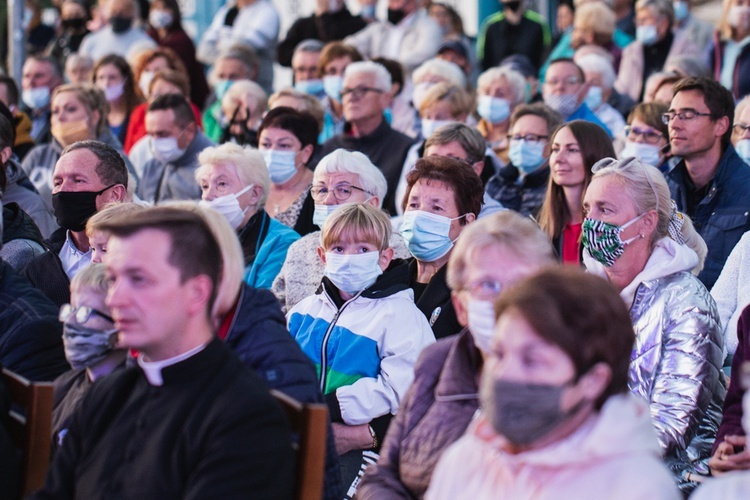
x=81, y=314
x=684, y=115
x=359, y=92
x=650, y=136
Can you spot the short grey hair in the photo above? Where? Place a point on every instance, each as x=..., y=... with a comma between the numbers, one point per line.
x=449, y=72
x=382, y=77
x=309, y=45
x=242, y=88
x=515, y=79
x=239, y=52
x=248, y=161
x=371, y=178
x=595, y=63
x=741, y=107
x=661, y=7
x=469, y=138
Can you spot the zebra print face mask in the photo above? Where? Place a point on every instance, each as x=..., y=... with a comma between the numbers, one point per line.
x=602, y=239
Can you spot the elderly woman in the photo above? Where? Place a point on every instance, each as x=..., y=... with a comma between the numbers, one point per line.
x=600, y=75
x=429, y=74
x=341, y=177
x=491, y=254
x=287, y=139
x=647, y=136
x=557, y=420
x=500, y=90
x=243, y=105
x=443, y=196
x=78, y=112
x=575, y=148
x=234, y=181
x=741, y=129
x=634, y=237
x=302, y=102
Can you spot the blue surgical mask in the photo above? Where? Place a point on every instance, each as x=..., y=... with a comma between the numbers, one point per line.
x=680, y=10
x=430, y=126
x=427, y=235
x=36, y=98
x=221, y=87
x=526, y=156
x=743, y=149
x=648, y=153
x=493, y=109
x=353, y=273
x=646, y=34
x=312, y=87
x=321, y=213
x=332, y=85
x=594, y=98
x=281, y=164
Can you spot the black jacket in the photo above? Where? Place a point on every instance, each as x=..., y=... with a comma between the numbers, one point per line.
x=46, y=271
x=435, y=302
x=525, y=197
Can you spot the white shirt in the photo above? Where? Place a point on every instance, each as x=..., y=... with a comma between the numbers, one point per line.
x=152, y=369
x=73, y=260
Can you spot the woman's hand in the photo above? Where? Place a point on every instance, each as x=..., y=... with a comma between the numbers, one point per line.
x=351, y=437
x=726, y=459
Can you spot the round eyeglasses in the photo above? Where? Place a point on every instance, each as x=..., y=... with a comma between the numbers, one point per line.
x=341, y=192
x=81, y=314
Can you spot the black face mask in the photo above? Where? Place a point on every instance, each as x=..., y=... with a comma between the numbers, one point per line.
x=121, y=24
x=73, y=208
x=395, y=16
x=512, y=6
x=246, y=137
x=74, y=24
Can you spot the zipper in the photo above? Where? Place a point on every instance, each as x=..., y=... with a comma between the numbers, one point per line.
x=327, y=336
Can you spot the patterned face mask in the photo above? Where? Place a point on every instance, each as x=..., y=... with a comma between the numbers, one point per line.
x=602, y=239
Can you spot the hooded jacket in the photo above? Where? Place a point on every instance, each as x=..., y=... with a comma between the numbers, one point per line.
x=365, y=348
x=677, y=358
x=613, y=455
x=20, y=190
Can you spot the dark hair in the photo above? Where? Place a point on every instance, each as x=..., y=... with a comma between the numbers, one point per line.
x=595, y=144
x=336, y=50
x=717, y=98
x=395, y=69
x=457, y=175
x=10, y=84
x=183, y=113
x=52, y=61
x=7, y=128
x=549, y=115
x=566, y=60
x=176, y=78
x=131, y=98
x=580, y=313
x=174, y=6
x=302, y=124
x=194, y=250
x=111, y=168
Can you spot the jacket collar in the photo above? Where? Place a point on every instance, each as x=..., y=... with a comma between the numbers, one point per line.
x=460, y=373
x=380, y=132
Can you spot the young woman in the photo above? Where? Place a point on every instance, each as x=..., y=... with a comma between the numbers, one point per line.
x=113, y=76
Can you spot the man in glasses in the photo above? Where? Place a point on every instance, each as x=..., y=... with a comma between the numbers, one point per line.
x=366, y=96
x=711, y=184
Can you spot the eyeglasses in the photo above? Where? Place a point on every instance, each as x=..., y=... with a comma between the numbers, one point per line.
x=650, y=136
x=81, y=314
x=359, y=92
x=341, y=192
x=528, y=137
x=571, y=80
x=484, y=288
x=740, y=128
x=684, y=115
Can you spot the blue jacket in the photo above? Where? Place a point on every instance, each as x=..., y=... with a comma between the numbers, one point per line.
x=584, y=113
x=723, y=216
x=265, y=249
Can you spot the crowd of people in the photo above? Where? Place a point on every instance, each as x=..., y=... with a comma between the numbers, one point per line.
x=509, y=266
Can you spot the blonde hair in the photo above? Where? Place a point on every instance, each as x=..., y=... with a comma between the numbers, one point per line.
x=508, y=229
x=515, y=79
x=361, y=222
x=247, y=161
x=447, y=71
x=91, y=97
x=458, y=100
x=110, y=212
x=248, y=91
x=92, y=277
x=597, y=17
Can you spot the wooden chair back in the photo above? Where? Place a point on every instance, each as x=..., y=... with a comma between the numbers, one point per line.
x=310, y=423
x=30, y=427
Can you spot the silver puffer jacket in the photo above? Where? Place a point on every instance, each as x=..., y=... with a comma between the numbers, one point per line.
x=676, y=365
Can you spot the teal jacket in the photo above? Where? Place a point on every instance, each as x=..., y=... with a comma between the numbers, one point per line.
x=270, y=251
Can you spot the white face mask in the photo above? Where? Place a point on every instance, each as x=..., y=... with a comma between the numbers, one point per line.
x=229, y=206
x=430, y=126
x=144, y=81
x=165, y=149
x=352, y=273
x=739, y=17
x=36, y=98
x=481, y=322
x=322, y=212
x=746, y=415
x=114, y=92
x=646, y=34
x=648, y=153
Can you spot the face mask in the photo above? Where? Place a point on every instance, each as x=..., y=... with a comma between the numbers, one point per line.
x=120, y=24
x=36, y=98
x=332, y=86
x=739, y=17
x=281, y=164
x=493, y=109
x=526, y=156
x=430, y=126
x=73, y=23
x=352, y=273
x=322, y=212
x=368, y=11
x=160, y=18
x=680, y=10
x=427, y=234
x=746, y=415
x=523, y=413
x=512, y=6
x=395, y=16
x=165, y=149
x=73, y=208
x=114, y=92
x=743, y=149
x=145, y=81
x=221, y=87
x=481, y=322
x=646, y=34
x=420, y=90
x=565, y=104
x=246, y=137
x=593, y=98
x=84, y=347
x=69, y=132
x=312, y=87
x=648, y=153
x=602, y=239
x=229, y=206
x=26, y=20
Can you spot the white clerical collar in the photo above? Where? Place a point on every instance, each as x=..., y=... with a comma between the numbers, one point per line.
x=152, y=369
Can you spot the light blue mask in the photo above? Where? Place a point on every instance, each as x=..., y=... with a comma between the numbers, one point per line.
x=594, y=98
x=332, y=85
x=281, y=164
x=526, y=156
x=427, y=234
x=743, y=149
x=312, y=87
x=321, y=213
x=221, y=87
x=646, y=34
x=430, y=126
x=493, y=109
x=680, y=10
x=648, y=153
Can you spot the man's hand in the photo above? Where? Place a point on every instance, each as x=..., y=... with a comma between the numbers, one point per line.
x=726, y=459
x=351, y=437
